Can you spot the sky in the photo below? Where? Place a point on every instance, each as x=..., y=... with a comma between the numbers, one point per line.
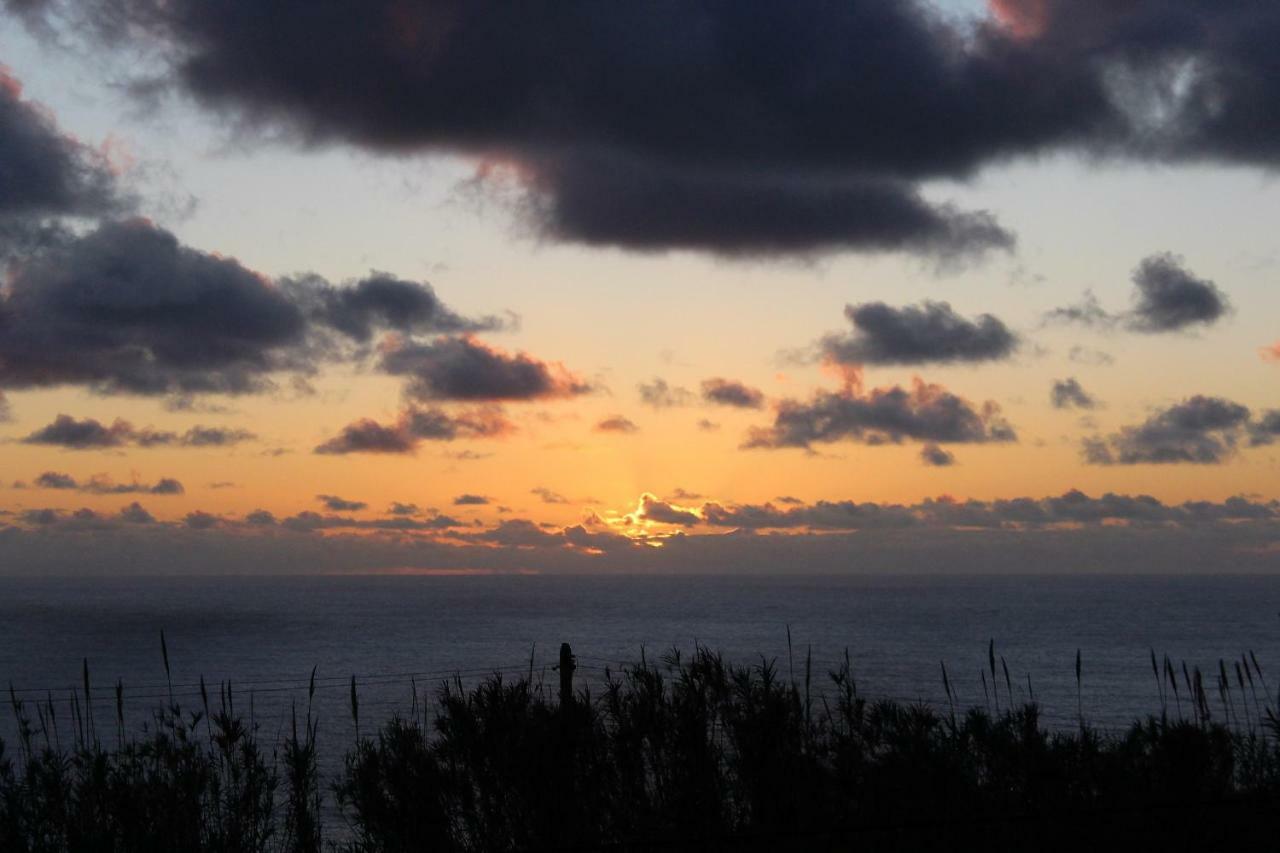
x=646, y=287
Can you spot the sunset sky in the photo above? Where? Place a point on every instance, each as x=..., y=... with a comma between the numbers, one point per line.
x=862, y=286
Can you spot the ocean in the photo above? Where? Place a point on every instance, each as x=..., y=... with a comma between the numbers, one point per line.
x=398, y=634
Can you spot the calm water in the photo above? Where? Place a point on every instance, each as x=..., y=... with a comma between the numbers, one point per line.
x=266, y=634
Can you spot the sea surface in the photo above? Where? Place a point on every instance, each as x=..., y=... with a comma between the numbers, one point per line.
x=398, y=634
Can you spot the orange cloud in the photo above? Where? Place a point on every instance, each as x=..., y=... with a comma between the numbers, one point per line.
x=1024, y=19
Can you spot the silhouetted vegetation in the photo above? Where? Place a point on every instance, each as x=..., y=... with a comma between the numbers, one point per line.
x=684, y=753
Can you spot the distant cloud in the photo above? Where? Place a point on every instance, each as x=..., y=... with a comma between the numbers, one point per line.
x=1199, y=431
x=90, y=434
x=337, y=504
x=201, y=436
x=414, y=426
x=934, y=456
x=466, y=500
x=663, y=512
x=1093, y=357
x=200, y=520
x=467, y=369
x=135, y=514
x=548, y=496
x=102, y=485
x=1167, y=298
x=925, y=413
x=1271, y=353
x=1071, y=508
x=931, y=332
x=6, y=412
x=55, y=480
x=660, y=395
x=1171, y=299
x=729, y=392
x=653, y=509
x=1013, y=534
x=1265, y=429
x=616, y=423
x=398, y=508
x=260, y=518
x=706, y=425
x=1087, y=312
x=1069, y=394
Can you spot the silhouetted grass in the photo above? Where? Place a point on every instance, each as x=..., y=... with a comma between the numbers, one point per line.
x=688, y=753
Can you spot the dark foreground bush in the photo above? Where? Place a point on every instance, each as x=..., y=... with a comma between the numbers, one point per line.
x=689, y=754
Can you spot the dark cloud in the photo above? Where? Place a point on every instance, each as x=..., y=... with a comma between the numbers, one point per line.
x=1167, y=298
x=1200, y=430
x=1170, y=298
x=661, y=395
x=398, y=508
x=260, y=518
x=44, y=170
x=648, y=206
x=762, y=142
x=781, y=127
x=135, y=514
x=311, y=522
x=653, y=509
x=617, y=423
x=1069, y=394
x=1196, y=81
x=102, y=485
x=172, y=320
x=471, y=500
x=729, y=392
x=55, y=480
x=369, y=436
x=931, y=332
x=1071, y=508
x=464, y=368
x=1266, y=429
x=382, y=302
x=200, y=520
x=334, y=503
x=178, y=321
x=934, y=456
x=6, y=412
x=167, y=486
x=823, y=515
x=41, y=517
x=926, y=413
x=414, y=426
x=548, y=496
x=708, y=425
x=90, y=434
